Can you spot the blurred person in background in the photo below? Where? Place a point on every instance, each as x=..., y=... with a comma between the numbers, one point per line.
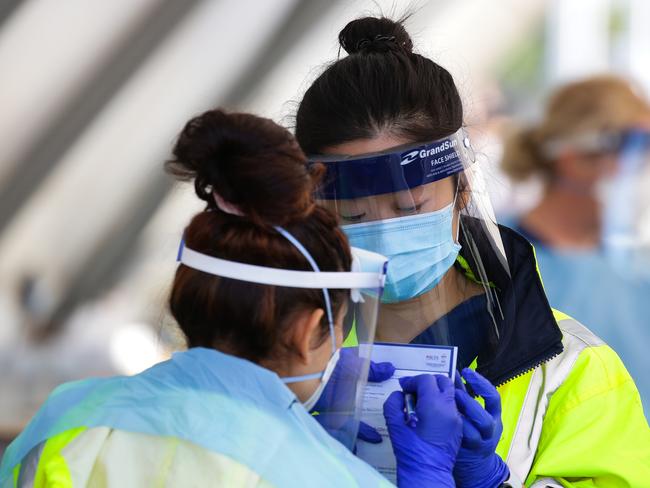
x=387, y=123
x=264, y=285
x=591, y=151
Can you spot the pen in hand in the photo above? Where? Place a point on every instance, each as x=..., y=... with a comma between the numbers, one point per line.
x=410, y=415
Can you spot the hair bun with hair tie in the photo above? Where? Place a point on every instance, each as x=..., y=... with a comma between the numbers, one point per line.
x=221, y=152
x=372, y=34
x=378, y=43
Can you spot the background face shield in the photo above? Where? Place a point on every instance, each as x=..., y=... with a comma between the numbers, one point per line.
x=426, y=208
x=338, y=409
x=626, y=208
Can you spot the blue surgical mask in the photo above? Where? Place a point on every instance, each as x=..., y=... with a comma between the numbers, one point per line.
x=421, y=249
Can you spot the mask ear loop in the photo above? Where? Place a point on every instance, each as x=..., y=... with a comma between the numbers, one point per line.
x=326, y=295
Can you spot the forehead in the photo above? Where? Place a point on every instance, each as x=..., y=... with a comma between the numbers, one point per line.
x=381, y=142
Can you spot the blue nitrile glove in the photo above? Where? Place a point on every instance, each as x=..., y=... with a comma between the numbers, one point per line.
x=341, y=390
x=477, y=465
x=425, y=453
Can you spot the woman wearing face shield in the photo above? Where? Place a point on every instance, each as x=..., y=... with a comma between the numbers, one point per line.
x=400, y=172
x=265, y=279
x=592, y=151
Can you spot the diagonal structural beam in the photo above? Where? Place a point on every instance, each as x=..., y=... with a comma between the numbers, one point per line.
x=104, y=267
x=297, y=25
x=106, y=264
x=7, y=8
x=68, y=125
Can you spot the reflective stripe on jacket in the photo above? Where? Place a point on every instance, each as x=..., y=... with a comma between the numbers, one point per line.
x=572, y=414
x=576, y=420
x=105, y=457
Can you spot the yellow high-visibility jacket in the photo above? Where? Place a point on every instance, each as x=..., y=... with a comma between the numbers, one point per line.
x=572, y=414
x=576, y=420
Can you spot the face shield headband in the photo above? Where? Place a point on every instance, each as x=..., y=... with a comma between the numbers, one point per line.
x=598, y=142
x=355, y=280
x=350, y=177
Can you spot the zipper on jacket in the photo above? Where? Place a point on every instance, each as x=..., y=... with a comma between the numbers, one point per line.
x=516, y=373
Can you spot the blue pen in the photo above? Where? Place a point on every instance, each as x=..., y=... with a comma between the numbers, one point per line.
x=410, y=416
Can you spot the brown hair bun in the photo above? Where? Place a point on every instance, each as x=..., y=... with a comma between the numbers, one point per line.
x=249, y=161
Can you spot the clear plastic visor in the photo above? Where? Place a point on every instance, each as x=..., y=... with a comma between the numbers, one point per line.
x=425, y=207
x=351, y=322
x=339, y=407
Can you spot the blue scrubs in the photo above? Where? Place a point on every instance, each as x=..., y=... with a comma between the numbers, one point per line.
x=585, y=286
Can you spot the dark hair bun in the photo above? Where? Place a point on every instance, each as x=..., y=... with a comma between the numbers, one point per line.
x=250, y=162
x=375, y=34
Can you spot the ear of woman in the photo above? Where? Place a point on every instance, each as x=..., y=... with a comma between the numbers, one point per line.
x=311, y=352
x=306, y=336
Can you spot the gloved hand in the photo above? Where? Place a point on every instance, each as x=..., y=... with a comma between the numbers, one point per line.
x=340, y=391
x=477, y=465
x=425, y=453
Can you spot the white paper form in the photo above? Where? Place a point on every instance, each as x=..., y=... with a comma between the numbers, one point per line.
x=409, y=360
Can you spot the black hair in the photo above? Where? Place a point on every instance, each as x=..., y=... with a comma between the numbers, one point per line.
x=381, y=86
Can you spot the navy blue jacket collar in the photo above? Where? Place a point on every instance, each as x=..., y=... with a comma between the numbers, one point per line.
x=528, y=332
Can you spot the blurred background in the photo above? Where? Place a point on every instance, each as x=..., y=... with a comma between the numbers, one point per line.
x=93, y=93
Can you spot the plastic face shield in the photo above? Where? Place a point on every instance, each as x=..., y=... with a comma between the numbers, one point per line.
x=626, y=208
x=416, y=204
x=339, y=406
x=590, y=142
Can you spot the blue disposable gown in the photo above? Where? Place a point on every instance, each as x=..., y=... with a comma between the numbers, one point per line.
x=587, y=287
x=220, y=403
